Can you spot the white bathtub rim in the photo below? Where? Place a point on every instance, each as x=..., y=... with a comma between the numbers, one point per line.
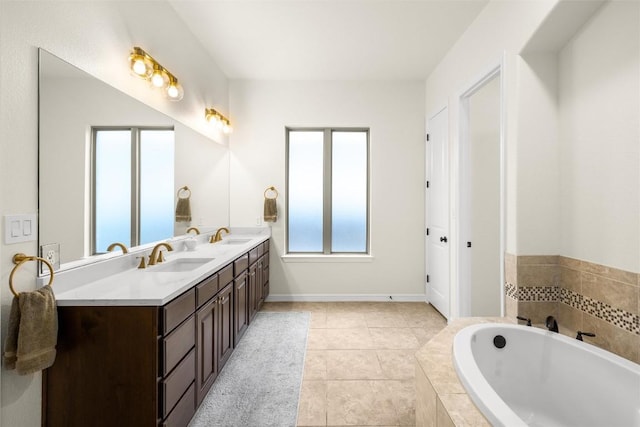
x=476, y=385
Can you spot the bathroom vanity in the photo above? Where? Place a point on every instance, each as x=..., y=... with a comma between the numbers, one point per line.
x=143, y=347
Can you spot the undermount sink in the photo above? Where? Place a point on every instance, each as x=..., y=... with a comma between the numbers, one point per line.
x=180, y=265
x=235, y=241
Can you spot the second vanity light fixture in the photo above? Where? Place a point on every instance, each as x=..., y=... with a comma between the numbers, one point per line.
x=144, y=66
x=218, y=120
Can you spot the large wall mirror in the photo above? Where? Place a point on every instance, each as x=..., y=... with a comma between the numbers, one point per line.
x=83, y=121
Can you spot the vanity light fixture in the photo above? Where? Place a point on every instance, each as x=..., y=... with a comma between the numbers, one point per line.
x=144, y=66
x=218, y=120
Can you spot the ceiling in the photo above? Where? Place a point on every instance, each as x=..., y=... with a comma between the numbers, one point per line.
x=327, y=39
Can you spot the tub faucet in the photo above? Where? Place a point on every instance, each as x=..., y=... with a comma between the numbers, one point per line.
x=551, y=324
x=524, y=319
x=586, y=334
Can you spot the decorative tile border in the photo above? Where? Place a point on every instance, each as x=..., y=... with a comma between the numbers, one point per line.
x=621, y=318
x=511, y=290
x=539, y=294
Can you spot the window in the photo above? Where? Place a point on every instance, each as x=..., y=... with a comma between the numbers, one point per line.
x=327, y=191
x=132, y=191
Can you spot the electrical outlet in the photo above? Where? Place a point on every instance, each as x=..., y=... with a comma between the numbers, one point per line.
x=50, y=252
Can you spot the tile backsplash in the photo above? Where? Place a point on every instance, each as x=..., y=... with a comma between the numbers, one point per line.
x=581, y=295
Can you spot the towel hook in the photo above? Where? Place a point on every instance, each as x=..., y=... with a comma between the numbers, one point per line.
x=272, y=188
x=185, y=189
x=18, y=260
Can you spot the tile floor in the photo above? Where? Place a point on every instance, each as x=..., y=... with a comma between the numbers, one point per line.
x=359, y=367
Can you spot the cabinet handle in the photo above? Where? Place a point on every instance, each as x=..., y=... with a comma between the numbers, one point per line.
x=443, y=239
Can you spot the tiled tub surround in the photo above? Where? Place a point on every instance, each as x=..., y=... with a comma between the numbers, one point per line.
x=441, y=399
x=581, y=295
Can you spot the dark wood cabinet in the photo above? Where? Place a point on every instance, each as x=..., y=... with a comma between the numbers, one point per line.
x=241, y=317
x=147, y=365
x=207, y=320
x=253, y=291
x=226, y=325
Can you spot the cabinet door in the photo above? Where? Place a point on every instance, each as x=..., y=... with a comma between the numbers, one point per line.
x=259, y=285
x=207, y=328
x=253, y=291
x=226, y=325
x=241, y=316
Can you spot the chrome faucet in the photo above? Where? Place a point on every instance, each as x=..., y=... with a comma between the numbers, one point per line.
x=217, y=237
x=551, y=324
x=117, y=245
x=156, y=253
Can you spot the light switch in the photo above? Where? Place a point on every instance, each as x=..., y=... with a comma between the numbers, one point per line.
x=15, y=228
x=26, y=227
x=20, y=228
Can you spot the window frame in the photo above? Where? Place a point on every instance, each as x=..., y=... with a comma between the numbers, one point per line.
x=135, y=132
x=327, y=226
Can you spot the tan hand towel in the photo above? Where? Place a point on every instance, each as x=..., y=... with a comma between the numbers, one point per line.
x=33, y=332
x=183, y=210
x=270, y=210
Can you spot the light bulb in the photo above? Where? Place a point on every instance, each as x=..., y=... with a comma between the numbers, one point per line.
x=139, y=67
x=159, y=78
x=226, y=127
x=175, y=91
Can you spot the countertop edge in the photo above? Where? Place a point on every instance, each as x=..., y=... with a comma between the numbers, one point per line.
x=66, y=298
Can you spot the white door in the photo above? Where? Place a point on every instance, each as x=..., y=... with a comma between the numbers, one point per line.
x=437, y=213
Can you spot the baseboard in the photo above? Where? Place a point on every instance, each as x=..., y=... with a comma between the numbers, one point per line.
x=345, y=297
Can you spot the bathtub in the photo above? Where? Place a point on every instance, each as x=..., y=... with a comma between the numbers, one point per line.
x=541, y=378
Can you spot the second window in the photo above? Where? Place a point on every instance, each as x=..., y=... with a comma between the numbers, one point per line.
x=327, y=191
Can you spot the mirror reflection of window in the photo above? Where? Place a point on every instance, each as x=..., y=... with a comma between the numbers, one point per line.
x=123, y=211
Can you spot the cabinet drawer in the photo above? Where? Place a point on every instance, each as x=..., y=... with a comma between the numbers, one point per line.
x=253, y=255
x=184, y=410
x=206, y=289
x=177, y=344
x=265, y=247
x=177, y=310
x=225, y=276
x=174, y=386
x=241, y=264
x=260, y=249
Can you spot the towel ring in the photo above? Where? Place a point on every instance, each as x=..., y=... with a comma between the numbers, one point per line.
x=18, y=260
x=272, y=188
x=185, y=189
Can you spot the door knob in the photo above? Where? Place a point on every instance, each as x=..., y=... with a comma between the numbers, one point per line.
x=443, y=239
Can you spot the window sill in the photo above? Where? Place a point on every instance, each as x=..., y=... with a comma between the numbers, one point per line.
x=312, y=258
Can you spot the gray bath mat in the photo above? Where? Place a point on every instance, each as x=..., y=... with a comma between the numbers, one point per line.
x=260, y=384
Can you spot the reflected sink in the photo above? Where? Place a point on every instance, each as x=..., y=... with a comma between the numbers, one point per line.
x=235, y=241
x=180, y=265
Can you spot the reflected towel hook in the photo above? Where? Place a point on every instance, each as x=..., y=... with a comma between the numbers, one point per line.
x=185, y=189
x=272, y=188
x=18, y=260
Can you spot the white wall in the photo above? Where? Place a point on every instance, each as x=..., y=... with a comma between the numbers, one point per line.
x=484, y=147
x=497, y=35
x=599, y=98
x=96, y=36
x=394, y=111
x=538, y=167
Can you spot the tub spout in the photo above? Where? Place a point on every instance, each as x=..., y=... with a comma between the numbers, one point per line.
x=586, y=334
x=524, y=319
x=551, y=324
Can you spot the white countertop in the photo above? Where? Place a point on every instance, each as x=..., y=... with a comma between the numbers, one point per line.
x=149, y=286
